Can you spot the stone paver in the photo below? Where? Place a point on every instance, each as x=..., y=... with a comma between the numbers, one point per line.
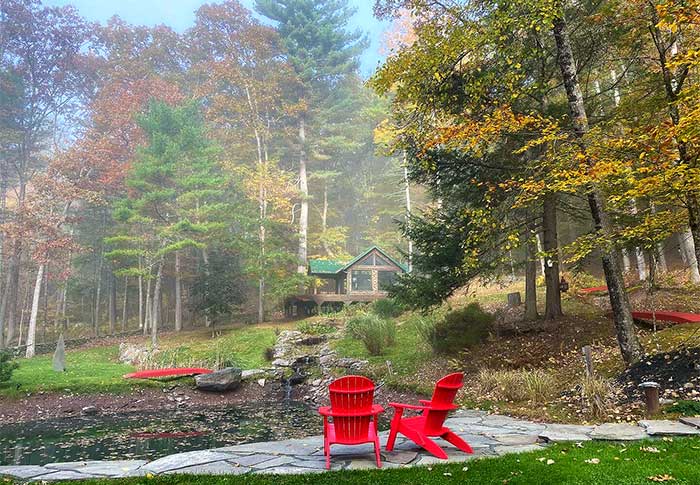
x=183, y=460
x=667, y=427
x=24, y=471
x=618, y=432
x=556, y=433
x=107, y=468
x=489, y=435
x=214, y=468
x=691, y=422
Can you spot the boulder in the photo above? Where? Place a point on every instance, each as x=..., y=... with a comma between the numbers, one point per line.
x=59, y=356
x=223, y=380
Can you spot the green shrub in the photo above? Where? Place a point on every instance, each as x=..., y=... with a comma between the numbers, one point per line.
x=316, y=328
x=376, y=333
x=387, y=308
x=686, y=408
x=457, y=330
x=7, y=366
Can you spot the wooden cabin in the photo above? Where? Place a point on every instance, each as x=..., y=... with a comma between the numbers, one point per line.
x=364, y=279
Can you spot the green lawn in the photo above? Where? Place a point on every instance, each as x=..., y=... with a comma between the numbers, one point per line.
x=674, y=461
x=97, y=370
x=90, y=370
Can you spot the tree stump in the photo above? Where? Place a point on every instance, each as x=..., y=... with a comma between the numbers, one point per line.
x=514, y=299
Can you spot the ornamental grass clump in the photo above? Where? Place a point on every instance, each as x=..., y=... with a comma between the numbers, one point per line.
x=516, y=385
x=374, y=332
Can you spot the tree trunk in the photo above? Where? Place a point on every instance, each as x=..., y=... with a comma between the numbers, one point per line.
x=11, y=293
x=551, y=268
x=31, y=331
x=407, y=190
x=688, y=249
x=205, y=257
x=148, y=321
x=98, y=295
x=178, y=293
x=626, y=262
x=540, y=249
x=531, y=277
x=124, y=303
x=324, y=221
x=156, y=304
x=619, y=301
x=304, y=212
x=112, y=304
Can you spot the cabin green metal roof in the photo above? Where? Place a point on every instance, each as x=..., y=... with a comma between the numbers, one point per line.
x=382, y=252
x=326, y=266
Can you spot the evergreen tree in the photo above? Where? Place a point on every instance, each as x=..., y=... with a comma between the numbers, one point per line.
x=322, y=53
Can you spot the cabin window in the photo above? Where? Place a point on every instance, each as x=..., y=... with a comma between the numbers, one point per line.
x=361, y=280
x=386, y=279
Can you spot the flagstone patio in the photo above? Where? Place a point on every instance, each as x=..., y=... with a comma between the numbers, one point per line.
x=488, y=434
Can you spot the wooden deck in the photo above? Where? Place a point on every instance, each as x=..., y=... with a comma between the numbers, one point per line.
x=321, y=298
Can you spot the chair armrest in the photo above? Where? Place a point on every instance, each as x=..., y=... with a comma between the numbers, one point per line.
x=424, y=402
x=325, y=411
x=407, y=406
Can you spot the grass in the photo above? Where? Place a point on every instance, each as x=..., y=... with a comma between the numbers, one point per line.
x=592, y=463
x=244, y=345
x=97, y=370
x=90, y=370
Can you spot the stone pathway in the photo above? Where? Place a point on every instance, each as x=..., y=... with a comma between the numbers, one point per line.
x=488, y=434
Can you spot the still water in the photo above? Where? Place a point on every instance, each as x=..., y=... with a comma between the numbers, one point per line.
x=150, y=435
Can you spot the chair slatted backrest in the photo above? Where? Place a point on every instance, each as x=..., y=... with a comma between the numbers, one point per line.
x=352, y=397
x=442, y=401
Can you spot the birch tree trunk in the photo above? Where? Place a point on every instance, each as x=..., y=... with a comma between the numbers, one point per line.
x=619, y=301
x=540, y=249
x=31, y=331
x=178, y=293
x=407, y=189
x=688, y=248
x=304, y=212
x=98, y=294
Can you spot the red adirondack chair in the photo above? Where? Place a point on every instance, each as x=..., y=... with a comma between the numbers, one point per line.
x=354, y=417
x=429, y=424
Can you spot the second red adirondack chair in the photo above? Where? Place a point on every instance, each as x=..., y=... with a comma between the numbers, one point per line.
x=429, y=424
x=353, y=415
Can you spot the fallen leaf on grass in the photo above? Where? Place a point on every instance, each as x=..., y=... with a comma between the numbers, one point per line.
x=649, y=449
x=661, y=478
x=593, y=461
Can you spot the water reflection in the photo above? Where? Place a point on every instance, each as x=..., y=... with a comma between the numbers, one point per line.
x=151, y=435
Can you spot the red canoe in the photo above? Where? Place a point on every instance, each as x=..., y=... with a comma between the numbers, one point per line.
x=178, y=371
x=595, y=289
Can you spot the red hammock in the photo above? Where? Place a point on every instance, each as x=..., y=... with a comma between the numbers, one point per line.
x=178, y=371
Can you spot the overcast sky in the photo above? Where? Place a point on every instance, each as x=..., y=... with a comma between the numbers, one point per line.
x=179, y=14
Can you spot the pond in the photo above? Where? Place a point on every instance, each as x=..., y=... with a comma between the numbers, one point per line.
x=150, y=435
